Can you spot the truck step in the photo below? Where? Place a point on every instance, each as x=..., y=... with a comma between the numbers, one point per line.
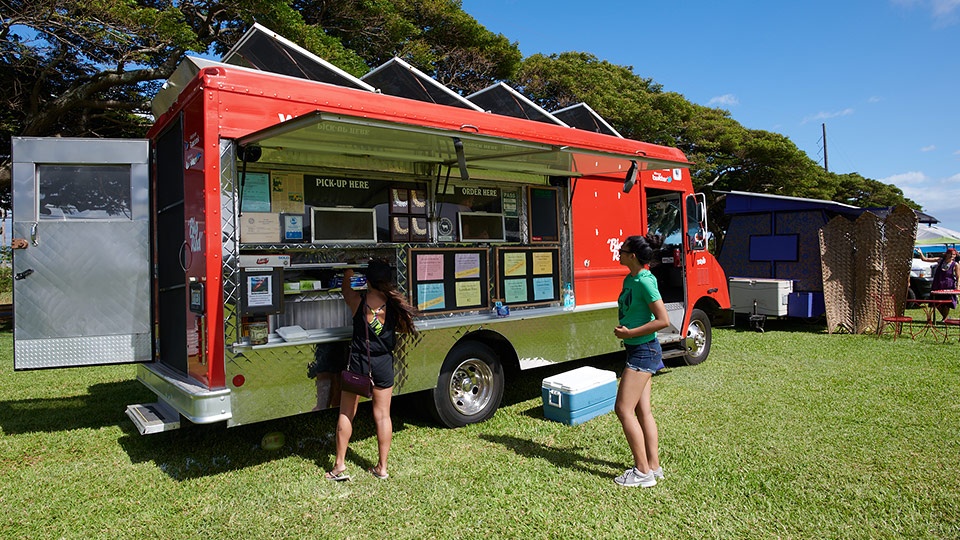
x=674, y=353
x=153, y=417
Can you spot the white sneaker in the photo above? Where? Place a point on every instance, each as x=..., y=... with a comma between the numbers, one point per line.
x=633, y=477
x=657, y=473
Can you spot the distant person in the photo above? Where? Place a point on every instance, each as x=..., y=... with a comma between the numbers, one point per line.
x=379, y=313
x=641, y=313
x=946, y=276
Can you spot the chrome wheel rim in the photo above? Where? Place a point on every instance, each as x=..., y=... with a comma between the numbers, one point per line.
x=696, y=338
x=471, y=386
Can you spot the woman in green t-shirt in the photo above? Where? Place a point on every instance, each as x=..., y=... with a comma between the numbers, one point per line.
x=641, y=313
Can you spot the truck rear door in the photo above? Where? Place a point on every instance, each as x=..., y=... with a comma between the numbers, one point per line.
x=81, y=289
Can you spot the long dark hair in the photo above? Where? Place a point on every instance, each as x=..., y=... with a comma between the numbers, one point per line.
x=380, y=277
x=644, y=247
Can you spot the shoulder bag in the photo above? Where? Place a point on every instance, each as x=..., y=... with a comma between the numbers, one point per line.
x=359, y=383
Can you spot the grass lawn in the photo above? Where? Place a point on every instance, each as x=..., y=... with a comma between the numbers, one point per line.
x=792, y=433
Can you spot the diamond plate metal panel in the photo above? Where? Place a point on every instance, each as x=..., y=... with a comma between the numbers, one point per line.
x=229, y=235
x=81, y=351
x=86, y=281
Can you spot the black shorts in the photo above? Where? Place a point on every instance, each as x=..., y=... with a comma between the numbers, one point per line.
x=382, y=368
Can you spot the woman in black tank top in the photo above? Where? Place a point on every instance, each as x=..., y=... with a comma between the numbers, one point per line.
x=378, y=314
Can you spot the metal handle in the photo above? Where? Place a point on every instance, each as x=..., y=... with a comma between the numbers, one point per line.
x=182, y=256
x=33, y=233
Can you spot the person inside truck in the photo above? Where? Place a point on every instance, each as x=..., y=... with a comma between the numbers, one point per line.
x=379, y=313
x=946, y=276
x=641, y=313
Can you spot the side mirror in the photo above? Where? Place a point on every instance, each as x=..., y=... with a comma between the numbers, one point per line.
x=631, y=178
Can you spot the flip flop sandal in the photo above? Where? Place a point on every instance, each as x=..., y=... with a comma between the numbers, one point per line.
x=377, y=475
x=341, y=476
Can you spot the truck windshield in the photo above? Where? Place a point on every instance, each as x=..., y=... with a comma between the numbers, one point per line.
x=663, y=215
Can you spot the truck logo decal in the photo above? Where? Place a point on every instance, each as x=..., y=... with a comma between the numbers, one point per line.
x=196, y=235
x=284, y=117
x=658, y=176
x=614, y=244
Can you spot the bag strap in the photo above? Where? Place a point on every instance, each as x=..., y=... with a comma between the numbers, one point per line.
x=366, y=326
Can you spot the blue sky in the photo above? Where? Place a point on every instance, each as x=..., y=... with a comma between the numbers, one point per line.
x=883, y=75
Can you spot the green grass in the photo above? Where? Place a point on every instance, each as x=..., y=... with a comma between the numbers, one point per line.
x=788, y=434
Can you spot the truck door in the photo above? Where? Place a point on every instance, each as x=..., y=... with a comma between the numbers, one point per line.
x=81, y=289
x=664, y=218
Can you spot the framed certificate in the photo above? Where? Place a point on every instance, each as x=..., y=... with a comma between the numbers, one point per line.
x=292, y=227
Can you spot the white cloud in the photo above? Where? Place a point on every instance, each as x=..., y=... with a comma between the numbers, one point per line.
x=943, y=8
x=937, y=196
x=824, y=115
x=726, y=100
x=944, y=12
x=874, y=99
x=912, y=177
x=930, y=148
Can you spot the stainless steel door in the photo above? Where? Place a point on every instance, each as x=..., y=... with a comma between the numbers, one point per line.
x=81, y=289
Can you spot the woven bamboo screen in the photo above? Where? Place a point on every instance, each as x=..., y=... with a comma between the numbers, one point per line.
x=837, y=264
x=862, y=261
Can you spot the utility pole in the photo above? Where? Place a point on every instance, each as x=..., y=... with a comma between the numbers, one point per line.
x=825, y=167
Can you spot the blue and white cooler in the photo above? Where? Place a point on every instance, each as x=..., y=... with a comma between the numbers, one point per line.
x=578, y=395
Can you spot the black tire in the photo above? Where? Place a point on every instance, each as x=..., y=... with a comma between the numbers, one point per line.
x=470, y=385
x=699, y=336
x=910, y=294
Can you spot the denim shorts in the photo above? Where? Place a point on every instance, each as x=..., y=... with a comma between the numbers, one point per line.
x=646, y=357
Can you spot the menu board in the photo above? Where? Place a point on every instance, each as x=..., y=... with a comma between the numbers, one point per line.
x=528, y=275
x=444, y=280
x=544, y=214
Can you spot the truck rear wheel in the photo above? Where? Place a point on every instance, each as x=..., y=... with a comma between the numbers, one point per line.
x=470, y=385
x=699, y=335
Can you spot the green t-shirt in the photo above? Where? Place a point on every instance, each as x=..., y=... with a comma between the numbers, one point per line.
x=634, y=303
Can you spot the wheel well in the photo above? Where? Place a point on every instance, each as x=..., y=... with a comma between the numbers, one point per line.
x=500, y=345
x=708, y=305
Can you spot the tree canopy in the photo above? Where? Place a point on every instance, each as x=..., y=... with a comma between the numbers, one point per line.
x=89, y=68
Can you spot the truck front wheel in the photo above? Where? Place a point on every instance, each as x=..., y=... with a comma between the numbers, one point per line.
x=470, y=385
x=699, y=335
